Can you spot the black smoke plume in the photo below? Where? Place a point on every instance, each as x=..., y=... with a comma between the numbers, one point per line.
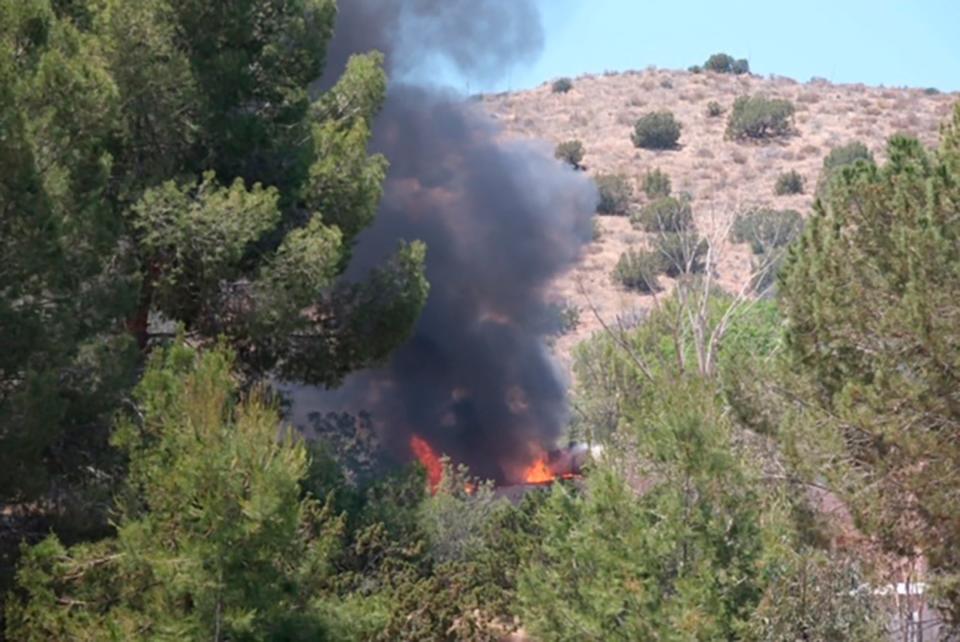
x=501, y=219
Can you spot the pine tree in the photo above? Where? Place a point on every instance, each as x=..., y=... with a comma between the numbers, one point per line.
x=871, y=296
x=163, y=162
x=65, y=280
x=664, y=542
x=216, y=538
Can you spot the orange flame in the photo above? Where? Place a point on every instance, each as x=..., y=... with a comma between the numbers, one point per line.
x=429, y=459
x=538, y=473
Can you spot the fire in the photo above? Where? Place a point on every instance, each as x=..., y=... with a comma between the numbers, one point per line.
x=538, y=472
x=562, y=464
x=429, y=459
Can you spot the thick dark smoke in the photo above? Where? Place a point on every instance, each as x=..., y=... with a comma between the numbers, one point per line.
x=501, y=219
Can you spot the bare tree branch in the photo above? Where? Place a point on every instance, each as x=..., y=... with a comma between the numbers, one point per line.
x=617, y=338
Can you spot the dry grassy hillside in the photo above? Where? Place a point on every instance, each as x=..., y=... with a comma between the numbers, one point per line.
x=723, y=176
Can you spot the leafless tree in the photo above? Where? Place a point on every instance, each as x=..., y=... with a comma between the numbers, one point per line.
x=702, y=313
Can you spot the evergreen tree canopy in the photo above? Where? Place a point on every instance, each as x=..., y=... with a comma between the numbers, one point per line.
x=163, y=163
x=871, y=295
x=216, y=536
x=665, y=547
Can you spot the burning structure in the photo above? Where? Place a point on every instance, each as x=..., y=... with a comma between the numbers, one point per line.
x=558, y=464
x=501, y=219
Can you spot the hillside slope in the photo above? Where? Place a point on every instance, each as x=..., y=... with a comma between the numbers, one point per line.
x=724, y=177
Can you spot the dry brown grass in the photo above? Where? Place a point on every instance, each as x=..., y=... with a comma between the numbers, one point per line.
x=721, y=175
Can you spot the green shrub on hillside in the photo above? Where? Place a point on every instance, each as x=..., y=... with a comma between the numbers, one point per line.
x=714, y=109
x=673, y=253
x=656, y=184
x=766, y=270
x=722, y=63
x=615, y=194
x=571, y=152
x=768, y=232
x=766, y=229
x=740, y=66
x=681, y=252
x=638, y=270
x=562, y=85
x=596, y=229
x=838, y=158
x=656, y=130
x=757, y=117
x=666, y=214
x=847, y=155
x=719, y=62
x=789, y=183
x=568, y=317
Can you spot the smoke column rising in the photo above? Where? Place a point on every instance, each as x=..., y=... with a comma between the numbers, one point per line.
x=501, y=219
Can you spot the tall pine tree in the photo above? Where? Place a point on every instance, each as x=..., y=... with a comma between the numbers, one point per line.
x=164, y=163
x=871, y=295
x=217, y=537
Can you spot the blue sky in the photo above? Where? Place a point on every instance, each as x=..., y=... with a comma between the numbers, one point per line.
x=907, y=42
